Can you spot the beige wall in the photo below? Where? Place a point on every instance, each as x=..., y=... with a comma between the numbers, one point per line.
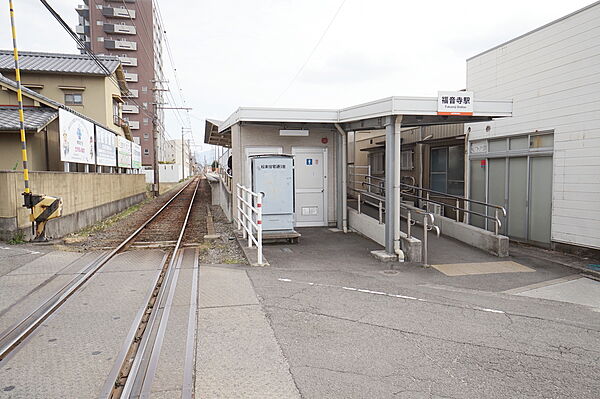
x=97, y=96
x=259, y=135
x=42, y=150
x=79, y=191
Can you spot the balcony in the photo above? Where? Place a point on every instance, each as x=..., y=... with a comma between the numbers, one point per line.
x=119, y=28
x=111, y=12
x=83, y=10
x=133, y=93
x=130, y=109
x=83, y=30
x=117, y=120
x=120, y=45
x=128, y=61
x=131, y=77
x=134, y=125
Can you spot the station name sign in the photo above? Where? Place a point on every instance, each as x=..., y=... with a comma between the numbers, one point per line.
x=455, y=103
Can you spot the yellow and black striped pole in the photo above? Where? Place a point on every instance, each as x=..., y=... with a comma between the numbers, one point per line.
x=20, y=101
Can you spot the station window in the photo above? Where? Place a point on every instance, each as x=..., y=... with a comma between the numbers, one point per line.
x=146, y=136
x=73, y=99
x=541, y=141
x=447, y=170
x=146, y=151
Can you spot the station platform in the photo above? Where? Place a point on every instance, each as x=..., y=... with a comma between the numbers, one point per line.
x=452, y=262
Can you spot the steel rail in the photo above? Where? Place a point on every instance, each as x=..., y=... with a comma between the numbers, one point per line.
x=12, y=337
x=140, y=375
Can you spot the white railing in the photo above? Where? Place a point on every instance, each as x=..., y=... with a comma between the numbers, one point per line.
x=249, y=218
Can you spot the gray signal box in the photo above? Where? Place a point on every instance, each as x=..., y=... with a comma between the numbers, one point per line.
x=273, y=175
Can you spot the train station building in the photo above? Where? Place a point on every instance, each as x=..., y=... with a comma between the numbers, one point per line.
x=318, y=139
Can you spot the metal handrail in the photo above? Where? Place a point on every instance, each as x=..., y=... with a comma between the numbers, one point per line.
x=246, y=215
x=458, y=197
x=428, y=219
x=497, y=208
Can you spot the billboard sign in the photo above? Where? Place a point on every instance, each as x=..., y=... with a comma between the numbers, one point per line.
x=76, y=138
x=455, y=103
x=136, y=156
x=106, y=147
x=124, y=152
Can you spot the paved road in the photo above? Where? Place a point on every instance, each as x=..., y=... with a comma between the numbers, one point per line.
x=325, y=320
x=348, y=329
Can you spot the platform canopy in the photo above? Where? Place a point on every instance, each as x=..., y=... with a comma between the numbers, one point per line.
x=415, y=111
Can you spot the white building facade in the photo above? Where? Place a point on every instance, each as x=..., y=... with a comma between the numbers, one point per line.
x=543, y=164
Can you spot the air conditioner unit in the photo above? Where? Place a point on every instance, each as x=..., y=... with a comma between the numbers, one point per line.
x=436, y=209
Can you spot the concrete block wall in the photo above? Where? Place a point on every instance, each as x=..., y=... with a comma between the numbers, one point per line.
x=87, y=199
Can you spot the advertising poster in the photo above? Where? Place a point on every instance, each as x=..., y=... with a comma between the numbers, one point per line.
x=106, y=147
x=136, y=156
x=76, y=138
x=124, y=152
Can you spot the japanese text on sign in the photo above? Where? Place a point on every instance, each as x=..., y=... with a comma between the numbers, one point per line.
x=273, y=166
x=455, y=103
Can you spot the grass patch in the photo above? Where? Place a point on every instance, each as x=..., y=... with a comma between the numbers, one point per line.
x=18, y=238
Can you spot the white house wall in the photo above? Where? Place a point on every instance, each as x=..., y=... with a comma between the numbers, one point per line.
x=553, y=76
x=249, y=135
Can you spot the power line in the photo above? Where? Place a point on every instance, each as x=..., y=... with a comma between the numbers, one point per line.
x=312, y=52
x=76, y=38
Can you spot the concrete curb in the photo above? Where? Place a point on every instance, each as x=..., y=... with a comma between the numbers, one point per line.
x=520, y=250
x=251, y=254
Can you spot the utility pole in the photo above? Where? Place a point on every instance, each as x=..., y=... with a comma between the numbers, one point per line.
x=182, y=156
x=155, y=186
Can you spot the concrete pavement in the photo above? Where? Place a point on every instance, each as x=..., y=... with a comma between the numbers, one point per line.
x=349, y=329
x=325, y=320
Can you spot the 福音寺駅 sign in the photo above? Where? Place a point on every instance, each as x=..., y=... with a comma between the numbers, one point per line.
x=455, y=103
x=76, y=138
x=124, y=152
x=106, y=147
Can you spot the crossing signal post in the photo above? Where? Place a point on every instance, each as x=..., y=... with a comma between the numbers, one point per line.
x=43, y=207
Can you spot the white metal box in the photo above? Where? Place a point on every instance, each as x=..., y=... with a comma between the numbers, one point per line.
x=273, y=176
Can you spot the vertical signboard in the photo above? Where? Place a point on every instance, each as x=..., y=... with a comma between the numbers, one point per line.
x=124, y=152
x=106, y=147
x=136, y=156
x=76, y=138
x=455, y=103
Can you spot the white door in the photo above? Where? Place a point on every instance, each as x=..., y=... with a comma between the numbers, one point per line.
x=310, y=165
x=249, y=151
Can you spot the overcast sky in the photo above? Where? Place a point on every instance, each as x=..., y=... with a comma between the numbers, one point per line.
x=232, y=53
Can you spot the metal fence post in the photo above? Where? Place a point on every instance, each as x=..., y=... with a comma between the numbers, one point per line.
x=425, y=225
x=249, y=217
x=239, y=204
x=408, y=221
x=259, y=229
x=458, y=210
x=496, y=222
x=380, y=212
x=358, y=205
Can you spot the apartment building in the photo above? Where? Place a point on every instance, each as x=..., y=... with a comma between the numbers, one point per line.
x=131, y=30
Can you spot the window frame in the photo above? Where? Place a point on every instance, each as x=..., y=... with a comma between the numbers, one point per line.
x=71, y=102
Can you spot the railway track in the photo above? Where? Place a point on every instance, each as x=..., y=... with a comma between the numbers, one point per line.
x=167, y=224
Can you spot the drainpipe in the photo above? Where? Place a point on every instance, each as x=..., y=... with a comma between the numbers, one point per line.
x=344, y=169
x=397, y=179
